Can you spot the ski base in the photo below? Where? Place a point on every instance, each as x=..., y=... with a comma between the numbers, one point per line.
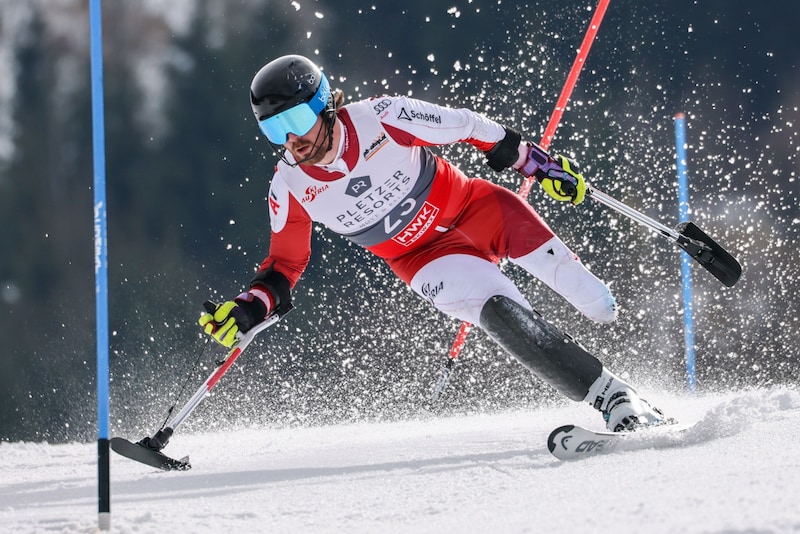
x=148, y=456
x=571, y=442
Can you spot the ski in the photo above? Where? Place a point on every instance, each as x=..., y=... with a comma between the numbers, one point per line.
x=148, y=456
x=571, y=442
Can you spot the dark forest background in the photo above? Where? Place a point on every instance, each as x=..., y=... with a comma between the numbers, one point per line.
x=188, y=174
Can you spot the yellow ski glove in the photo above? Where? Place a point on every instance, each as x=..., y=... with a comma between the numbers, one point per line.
x=225, y=321
x=566, y=184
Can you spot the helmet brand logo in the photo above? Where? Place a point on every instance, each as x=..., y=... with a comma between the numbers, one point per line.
x=306, y=79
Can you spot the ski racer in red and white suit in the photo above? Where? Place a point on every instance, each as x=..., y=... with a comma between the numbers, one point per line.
x=438, y=230
x=365, y=170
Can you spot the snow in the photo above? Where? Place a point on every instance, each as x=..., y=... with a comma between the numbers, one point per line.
x=738, y=470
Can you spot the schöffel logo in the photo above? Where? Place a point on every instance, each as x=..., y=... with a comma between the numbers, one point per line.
x=416, y=115
x=358, y=186
x=376, y=145
x=417, y=228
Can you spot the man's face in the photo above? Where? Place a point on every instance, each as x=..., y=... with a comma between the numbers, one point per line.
x=308, y=148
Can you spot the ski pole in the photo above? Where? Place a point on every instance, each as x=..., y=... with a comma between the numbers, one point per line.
x=686, y=235
x=159, y=440
x=550, y=130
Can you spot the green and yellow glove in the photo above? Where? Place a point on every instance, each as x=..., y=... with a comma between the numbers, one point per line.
x=565, y=183
x=225, y=321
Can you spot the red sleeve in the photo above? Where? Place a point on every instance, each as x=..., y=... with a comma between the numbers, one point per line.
x=290, y=248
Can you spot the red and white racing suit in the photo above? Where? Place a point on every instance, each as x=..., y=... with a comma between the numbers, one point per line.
x=436, y=228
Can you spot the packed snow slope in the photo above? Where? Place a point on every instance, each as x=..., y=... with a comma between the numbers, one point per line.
x=737, y=471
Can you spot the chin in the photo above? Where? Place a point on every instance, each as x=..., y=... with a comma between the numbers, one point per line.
x=314, y=157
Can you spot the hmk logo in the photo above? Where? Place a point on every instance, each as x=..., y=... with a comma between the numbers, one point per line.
x=417, y=228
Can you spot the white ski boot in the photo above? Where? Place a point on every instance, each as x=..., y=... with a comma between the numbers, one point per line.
x=626, y=412
x=621, y=407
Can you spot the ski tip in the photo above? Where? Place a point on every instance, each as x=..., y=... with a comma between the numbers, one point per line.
x=551, y=440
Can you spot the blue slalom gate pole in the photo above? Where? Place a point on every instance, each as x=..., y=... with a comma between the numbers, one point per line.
x=686, y=273
x=100, y=263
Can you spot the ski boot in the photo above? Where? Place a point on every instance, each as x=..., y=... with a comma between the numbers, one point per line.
x=621, y=407
x=625, y=412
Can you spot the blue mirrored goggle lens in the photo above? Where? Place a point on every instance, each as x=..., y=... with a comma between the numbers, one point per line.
x=297, y=120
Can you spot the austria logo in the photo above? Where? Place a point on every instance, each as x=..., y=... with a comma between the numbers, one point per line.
x=312, y=192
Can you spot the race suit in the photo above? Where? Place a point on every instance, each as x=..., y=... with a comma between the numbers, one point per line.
x=439, y=231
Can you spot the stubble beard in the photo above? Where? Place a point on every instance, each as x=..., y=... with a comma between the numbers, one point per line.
x=319, y=146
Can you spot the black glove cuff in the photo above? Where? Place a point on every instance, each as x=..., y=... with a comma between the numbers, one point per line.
x=277, y=285
x=506, y=152
x=254, y=312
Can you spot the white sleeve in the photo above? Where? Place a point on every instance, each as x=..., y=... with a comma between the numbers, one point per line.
x=428, y=123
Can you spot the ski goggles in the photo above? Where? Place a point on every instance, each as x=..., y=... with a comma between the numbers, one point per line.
x=297, y=120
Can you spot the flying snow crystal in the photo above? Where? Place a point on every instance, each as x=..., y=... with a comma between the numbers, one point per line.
x=11, y=293
x=296, y=6
x=319, y=15
x=431, y=57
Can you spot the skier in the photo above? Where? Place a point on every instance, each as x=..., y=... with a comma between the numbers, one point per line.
x=365, y=171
